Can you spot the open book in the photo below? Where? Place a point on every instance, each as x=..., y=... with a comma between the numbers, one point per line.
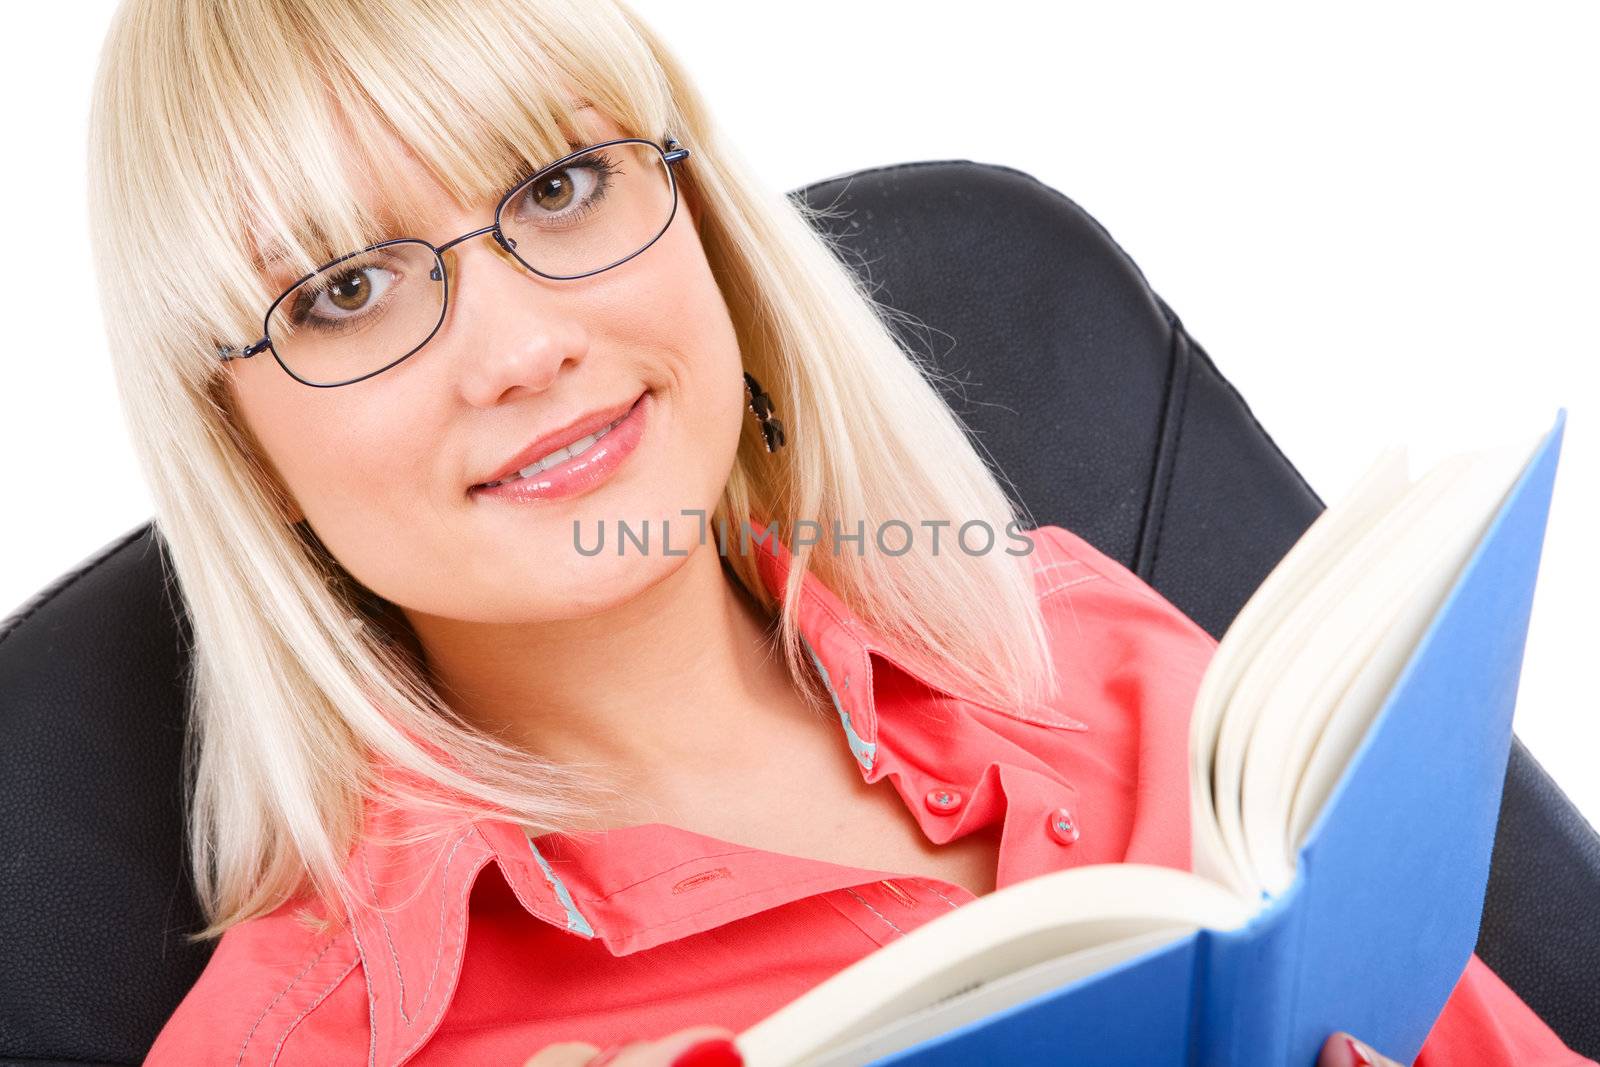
x=1348, y=747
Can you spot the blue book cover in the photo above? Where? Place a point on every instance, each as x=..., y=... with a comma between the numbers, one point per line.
x=1365, y=927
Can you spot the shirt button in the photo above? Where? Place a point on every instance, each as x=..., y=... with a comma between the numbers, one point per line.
x=1063, y=827
x=943, y=801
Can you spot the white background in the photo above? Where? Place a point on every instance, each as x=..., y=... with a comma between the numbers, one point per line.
x=1380, y=220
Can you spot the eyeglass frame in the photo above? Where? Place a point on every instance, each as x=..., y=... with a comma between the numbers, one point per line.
x=670, y=154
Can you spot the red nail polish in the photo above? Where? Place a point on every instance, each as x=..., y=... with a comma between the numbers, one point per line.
x=1358, y=1057
x=713, y=1052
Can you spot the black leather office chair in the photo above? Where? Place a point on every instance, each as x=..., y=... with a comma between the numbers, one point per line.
x=1080, y=382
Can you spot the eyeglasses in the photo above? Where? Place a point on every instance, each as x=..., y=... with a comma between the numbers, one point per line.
x=367, y=311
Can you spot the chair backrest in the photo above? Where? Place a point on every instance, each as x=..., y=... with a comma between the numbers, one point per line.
x=94, y=893
x=1076, y=379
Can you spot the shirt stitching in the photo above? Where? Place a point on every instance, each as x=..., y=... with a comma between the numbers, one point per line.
x=1069, y=724
x=438, y=943
x=461, y=903
x=274, y=1002
x=1058, y=565
x=1070, y=606
x=514, y=882
x=372, y=1001
x=863, y=750
x=574, y=919
x=875, y=911
x=278, y=1048
x=866, y=658
x=935, y=890
x=1114, y=571
x=665, y=871
x=732, y=900
x=1068, y=584
x=394, y=954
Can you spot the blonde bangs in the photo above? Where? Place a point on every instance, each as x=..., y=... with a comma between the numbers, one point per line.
x=253, y=140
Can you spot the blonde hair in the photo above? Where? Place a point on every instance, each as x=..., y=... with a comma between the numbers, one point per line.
x=213, y=126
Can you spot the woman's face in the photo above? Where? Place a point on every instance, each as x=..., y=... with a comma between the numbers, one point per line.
x=384, y=469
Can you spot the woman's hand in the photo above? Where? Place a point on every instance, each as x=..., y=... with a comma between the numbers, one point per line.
x=698, y=1046
x=1342, y=1050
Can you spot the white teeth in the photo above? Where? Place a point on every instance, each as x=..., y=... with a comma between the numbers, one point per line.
x=560, y=455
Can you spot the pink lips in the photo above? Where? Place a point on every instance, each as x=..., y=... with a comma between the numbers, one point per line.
x=559, y=437
x=579, y=473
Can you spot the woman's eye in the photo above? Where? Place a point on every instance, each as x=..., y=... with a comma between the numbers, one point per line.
x=347, y=293
x=566, y=193
x=556, y=193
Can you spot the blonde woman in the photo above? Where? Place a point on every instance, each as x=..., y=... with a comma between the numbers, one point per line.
x=482, y=390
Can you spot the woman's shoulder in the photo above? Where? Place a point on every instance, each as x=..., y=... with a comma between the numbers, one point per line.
x=1073, y=577
x=281, y=989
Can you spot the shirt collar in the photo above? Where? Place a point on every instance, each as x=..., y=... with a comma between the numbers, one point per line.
x=844, y=649
x=412, y=939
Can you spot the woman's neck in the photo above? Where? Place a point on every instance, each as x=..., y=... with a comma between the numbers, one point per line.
x=677, y=686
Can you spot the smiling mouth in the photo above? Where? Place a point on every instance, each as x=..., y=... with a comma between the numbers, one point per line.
x=560, y=455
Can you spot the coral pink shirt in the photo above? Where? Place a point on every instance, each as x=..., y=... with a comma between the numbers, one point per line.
x=496, y=945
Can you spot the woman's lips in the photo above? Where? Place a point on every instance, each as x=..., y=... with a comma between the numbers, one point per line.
x=581, y=473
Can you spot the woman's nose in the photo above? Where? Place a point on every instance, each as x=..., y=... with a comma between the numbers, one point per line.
x=511, y=329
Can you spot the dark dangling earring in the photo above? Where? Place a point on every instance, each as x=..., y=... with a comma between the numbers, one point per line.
x=761, y=408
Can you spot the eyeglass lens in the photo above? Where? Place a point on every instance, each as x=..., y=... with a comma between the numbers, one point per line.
x=367, y=311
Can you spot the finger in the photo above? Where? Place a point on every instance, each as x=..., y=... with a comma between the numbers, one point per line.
x=612, y=1055
x=713, y=1046
x=1343, y=1050
x=563, y=1054
x=606, y=1055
